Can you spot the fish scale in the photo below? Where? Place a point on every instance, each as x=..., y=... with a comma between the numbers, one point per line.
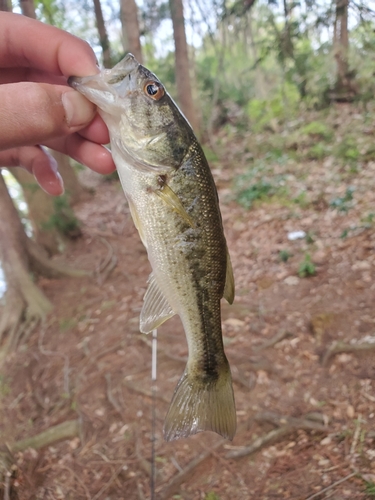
x=174, y=204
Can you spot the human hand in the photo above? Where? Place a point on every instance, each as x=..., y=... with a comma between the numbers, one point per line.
x=37, y=108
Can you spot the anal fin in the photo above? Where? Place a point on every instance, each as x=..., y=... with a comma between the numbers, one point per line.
x=156, y=308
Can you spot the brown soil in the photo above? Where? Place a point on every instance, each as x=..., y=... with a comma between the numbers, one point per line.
x=89, y=362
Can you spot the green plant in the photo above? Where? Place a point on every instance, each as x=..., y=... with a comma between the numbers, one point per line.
x=344, y=203
x=256, y=191
x=309, y=237
x=4, y=387
x=318, y=151
x=370, y=488
x=66, y=324
x=63, y=217
x=301, y=200
x=318, y=130
x=211, y=495
x=306, y=267
x=284, y=255
x=348, y=149
x=368, y=220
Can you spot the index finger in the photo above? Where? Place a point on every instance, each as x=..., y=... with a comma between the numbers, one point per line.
x=28, y=43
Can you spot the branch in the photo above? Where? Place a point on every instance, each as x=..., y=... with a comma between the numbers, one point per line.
x=342, y=347
x=49, y=268
x=289, y=425
x=145, y=392
x=66, y=430
x=319, y=493
x=111, y=398
x=109, y=263
x=281, y=335
x=260, y=442
x=173, y=486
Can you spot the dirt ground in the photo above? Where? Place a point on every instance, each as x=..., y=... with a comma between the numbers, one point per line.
x=308, y=408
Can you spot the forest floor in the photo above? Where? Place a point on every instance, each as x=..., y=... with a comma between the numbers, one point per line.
x=301, y=349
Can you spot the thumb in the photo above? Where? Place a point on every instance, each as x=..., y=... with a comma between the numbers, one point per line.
x=31, y=113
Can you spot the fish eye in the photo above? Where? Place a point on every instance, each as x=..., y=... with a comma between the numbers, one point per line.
x=154, y=90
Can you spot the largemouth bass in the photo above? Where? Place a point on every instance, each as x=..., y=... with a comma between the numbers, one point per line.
x=174, y=205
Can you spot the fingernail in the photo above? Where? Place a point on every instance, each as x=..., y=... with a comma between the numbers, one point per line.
x=52, y=161
x=78, y=110
x=54, y=187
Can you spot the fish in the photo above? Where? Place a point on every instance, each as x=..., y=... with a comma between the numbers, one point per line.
x=174, y=205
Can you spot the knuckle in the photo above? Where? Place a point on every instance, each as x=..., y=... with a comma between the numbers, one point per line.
x=48, y=108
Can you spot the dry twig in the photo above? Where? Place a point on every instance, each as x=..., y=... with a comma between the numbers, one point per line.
x=288, y=426
x=65, y=430
x=319, y=493
x=260, y=442
x=281, y=335
x=145, y=392
x=105, y=268
x=55, y=353
x=110, y=395
x=109, y=484
x=342, y=347
x=173, y=486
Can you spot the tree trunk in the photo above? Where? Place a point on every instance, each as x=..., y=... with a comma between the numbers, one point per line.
x=184, y=93
x=130, y=29
x=73, y=189
x=5, y=6
x=286, y=35
x=25, y=303
x=103, y=36
x=42, y=212
x=51, y=218
x=345, y=88
x=260, y=87
x=28, y=8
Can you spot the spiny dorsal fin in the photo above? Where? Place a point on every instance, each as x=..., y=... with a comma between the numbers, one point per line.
x=229, y=282
x=155, y=308
x=171, y=199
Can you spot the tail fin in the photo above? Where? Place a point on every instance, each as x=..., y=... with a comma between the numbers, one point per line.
x=201, y=406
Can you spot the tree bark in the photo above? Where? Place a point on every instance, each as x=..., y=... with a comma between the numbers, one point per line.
x=103, y=36
x=130, y=29
x=5, y=6
x=28, y=8
x=184, y=92
x=42, y=212
x=25, y=303
x=73, y=189
x=345, y=88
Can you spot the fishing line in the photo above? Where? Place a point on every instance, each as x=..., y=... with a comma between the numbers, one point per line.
x=153, y=417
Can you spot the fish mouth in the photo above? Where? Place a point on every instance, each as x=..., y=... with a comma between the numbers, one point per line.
x=100, y=88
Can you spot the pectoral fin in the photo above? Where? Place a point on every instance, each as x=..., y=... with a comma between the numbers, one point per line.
x=229, y=282
x=155, y=308
x=173, y=201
